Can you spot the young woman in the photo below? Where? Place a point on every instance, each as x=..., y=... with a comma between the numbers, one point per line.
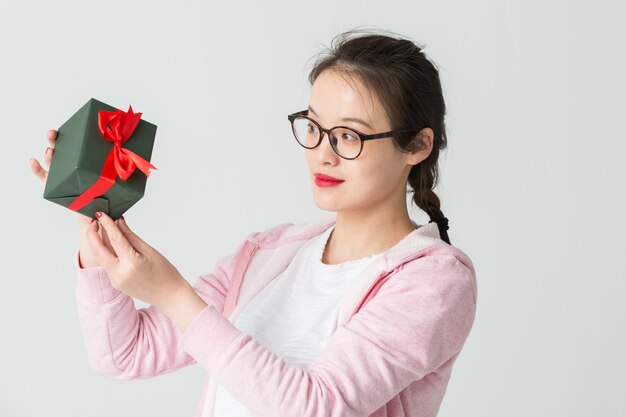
x=362, y=314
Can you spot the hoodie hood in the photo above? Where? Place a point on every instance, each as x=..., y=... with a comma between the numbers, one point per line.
x=424, y=236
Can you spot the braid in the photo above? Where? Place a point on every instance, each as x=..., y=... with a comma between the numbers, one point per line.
x=433, y=208
x=428, y=201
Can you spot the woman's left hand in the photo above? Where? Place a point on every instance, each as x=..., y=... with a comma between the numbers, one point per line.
x=136, y=268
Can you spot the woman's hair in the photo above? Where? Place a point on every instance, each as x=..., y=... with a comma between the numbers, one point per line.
x=407, y=84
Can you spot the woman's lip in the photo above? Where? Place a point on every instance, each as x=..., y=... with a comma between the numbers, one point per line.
x=326, y=177
x=325, y=183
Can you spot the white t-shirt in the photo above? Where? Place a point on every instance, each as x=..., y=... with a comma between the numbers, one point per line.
x=296, y=313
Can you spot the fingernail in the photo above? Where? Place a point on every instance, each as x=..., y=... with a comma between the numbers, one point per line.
x=48, y=149
x=98, y=214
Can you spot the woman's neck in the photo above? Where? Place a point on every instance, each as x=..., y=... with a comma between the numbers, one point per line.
x=354, y=238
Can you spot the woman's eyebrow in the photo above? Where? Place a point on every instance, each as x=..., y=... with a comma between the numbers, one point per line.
x=347, y=119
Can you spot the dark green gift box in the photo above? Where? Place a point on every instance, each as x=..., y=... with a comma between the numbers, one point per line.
x=79, y=156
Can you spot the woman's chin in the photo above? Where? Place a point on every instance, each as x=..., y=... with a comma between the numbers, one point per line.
x=326, y=203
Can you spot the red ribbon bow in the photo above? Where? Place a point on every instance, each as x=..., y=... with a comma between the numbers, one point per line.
x=117, y=127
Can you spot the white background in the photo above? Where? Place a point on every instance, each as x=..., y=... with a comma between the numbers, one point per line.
x=532, y=181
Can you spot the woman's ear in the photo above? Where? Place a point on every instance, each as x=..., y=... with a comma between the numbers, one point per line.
x=423, y=146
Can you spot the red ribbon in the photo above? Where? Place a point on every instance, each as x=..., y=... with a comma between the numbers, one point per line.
x=117, y=127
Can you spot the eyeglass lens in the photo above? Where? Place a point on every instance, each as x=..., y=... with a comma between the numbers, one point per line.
x=345, y=141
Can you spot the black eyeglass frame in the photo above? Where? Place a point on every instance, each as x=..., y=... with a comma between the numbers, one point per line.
x=400, y=133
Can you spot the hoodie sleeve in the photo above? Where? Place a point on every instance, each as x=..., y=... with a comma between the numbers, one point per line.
x=417, y=321
x=123, y=342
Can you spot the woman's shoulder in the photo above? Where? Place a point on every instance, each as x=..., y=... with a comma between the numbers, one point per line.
x=424, y=254
x=442, y=266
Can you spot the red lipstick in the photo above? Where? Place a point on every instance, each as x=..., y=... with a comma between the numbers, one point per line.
x=326, y=180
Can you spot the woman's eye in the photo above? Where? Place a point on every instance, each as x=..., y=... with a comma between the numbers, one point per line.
x=311, y=128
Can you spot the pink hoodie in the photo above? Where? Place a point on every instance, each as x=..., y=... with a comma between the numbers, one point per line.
x=401, y=327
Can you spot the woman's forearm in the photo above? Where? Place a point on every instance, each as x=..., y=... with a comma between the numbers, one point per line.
x=87, y=257
x=183, y=306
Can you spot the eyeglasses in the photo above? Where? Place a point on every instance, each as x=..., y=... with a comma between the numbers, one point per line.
x=345, y=141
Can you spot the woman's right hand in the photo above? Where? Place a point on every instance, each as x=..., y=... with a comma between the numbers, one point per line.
x=87, y=257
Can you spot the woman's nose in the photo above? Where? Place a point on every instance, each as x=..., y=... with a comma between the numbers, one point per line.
x=326, y=151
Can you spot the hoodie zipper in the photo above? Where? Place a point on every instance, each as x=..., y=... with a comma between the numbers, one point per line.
x=241, y=265
x=366, y=294
x=381, y=277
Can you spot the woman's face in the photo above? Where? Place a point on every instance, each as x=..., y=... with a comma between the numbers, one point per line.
x=376, y=179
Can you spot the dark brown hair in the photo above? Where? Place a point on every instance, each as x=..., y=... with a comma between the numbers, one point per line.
x=407, y=84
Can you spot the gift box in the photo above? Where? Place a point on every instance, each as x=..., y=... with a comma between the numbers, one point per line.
x=100, y=160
